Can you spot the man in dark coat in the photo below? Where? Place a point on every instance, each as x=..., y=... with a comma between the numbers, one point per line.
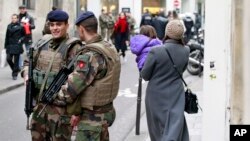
x=28, y=22
x=189, y=23
x=197, y=24
x=13, y=44
x=159, y=23
x=146, y=18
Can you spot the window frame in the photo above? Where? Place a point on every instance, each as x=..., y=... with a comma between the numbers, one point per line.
x=30, y=4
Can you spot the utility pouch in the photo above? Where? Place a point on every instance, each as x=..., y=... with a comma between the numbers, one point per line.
x=75, y=107
x=86, y=129
x=38, y=77
x=63, y=128
x=51, y=77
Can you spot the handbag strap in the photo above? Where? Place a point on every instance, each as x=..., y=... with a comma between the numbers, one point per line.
x=176, y=68
x=180, y=75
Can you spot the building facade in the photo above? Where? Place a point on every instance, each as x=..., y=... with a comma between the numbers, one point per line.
x=226, y=97
x=39, y=9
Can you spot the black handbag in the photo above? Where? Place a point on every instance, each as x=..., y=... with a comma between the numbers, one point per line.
x=191, y=101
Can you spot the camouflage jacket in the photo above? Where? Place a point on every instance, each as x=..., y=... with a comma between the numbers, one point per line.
x=93, y=67
x=103, y=19
x=52, y=46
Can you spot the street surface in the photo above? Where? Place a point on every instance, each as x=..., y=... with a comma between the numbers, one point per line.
x=13, y=119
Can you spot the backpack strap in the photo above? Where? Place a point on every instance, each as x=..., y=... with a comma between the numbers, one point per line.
x=45, y=39
x=70, y=43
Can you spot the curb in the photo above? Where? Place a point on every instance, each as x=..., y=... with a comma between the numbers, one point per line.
x=9, y=88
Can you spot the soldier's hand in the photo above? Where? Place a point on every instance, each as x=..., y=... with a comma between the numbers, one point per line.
x=74, y=120
x=26, y=78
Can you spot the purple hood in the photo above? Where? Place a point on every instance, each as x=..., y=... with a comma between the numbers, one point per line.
x=141, y=45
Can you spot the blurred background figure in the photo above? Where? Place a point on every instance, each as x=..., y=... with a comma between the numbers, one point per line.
x=110, y=25
x=27, y=22
x=13, y=44
x=197, y=23
x=175, y=16
x=121, y=35
x=46, y=25
x=146, y=18
x=189, y=23
x=159, y=23
x=170, y=14
x=103, y=19
x=131, y=22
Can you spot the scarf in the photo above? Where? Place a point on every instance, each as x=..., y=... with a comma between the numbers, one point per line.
x=121, y=25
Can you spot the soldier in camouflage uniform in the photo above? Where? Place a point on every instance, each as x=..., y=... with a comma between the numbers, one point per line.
x=131, y=23
x=110, y=25
x=52, y=52
x=94, y=84
x=103, y=22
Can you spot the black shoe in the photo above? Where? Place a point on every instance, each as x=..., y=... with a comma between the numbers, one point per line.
x=14, y=78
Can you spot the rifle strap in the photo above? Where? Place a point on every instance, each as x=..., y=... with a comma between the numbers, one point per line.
x=47, y=74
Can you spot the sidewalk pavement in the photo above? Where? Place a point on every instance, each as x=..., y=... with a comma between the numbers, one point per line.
x=6, y=81
x=194, y=120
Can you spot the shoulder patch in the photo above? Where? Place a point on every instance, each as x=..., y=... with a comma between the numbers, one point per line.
x=82, y=63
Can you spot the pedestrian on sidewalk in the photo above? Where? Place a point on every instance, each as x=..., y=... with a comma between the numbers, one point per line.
x=141, y=44
x=53, y=53
x=121, y=33
x=13, y=44
x=165, y=98
x=28, y=23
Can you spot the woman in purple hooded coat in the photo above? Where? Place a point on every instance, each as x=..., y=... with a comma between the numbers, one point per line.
x=141, y=44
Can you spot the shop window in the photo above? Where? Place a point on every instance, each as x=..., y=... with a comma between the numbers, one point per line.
x=81, y=6
x=30, y=4
x=154, y=6
x=58, y=4
x=110, y=6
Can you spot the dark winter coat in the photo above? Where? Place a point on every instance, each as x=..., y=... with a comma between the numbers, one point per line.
x=14, y=38
x=28, y=38
x=189, y=23
x=165, y=97
x=140, y=45
x=146, y=19
x=159, y=23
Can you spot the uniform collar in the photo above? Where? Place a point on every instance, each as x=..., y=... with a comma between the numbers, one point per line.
x=95, y=39
x=54, y=44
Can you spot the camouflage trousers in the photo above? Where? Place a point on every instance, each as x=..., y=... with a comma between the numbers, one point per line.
x=94, y=125
x=51, y=125
x=103, y=32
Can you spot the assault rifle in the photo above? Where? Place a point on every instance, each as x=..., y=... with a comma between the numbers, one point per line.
x=50, y=94
x=29, y=89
